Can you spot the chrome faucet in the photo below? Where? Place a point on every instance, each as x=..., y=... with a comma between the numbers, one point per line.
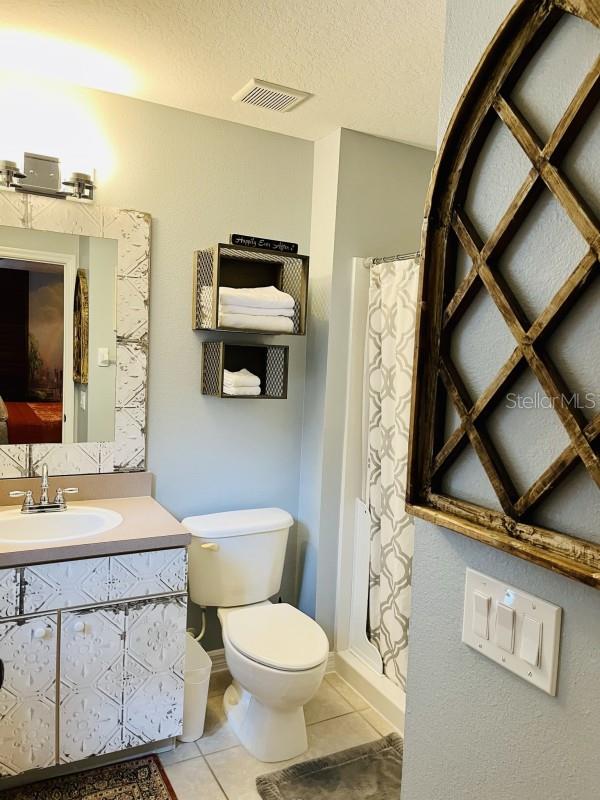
x=44, y=492
x=31, y=507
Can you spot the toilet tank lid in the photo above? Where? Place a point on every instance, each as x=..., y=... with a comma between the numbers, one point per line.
x=238, y=523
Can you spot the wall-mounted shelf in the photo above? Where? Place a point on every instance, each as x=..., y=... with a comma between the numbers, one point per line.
x=268, y=361
x=238, y=266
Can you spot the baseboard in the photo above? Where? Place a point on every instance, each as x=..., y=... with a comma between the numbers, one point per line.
x=220, y=665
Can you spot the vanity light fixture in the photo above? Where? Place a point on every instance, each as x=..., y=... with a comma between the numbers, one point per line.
x=42, y=176
x=10, y=174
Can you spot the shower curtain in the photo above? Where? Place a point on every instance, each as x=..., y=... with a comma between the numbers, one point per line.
x=389, y=357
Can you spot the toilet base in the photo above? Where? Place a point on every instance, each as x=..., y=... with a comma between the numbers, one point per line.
x=269, y=734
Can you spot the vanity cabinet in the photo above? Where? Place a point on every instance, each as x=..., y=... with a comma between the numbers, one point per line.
x=93, y=657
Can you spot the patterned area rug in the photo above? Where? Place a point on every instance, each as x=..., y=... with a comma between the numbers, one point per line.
x=369, y=772
x=140, y=779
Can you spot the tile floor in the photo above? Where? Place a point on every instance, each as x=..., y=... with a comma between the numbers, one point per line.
x=216, y=767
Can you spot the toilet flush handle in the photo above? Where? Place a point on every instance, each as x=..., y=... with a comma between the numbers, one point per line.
x=210, y=546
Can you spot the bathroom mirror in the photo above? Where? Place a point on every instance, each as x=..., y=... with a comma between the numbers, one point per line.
x=73, y=336
x=57, y=337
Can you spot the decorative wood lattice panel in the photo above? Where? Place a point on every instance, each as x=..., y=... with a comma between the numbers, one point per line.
x=444, y=300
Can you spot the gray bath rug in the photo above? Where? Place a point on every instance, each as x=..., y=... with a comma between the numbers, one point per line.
x=371, y=771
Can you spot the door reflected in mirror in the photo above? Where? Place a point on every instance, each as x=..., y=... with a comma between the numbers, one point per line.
x=57, y=337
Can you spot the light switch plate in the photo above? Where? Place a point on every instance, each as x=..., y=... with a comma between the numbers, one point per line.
x=547, y=614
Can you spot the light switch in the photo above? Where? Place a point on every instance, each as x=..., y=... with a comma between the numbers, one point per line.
x=514, y=629
x=103, y=357
x=505, y=627
x=481, y=613
x=531, y=637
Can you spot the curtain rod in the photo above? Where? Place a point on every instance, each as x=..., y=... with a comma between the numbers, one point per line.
x=387, y=259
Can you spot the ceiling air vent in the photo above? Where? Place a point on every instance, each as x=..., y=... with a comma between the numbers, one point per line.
x=269, y=95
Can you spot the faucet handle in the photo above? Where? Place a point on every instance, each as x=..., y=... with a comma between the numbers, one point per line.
x=59, y=498
x=28, y=495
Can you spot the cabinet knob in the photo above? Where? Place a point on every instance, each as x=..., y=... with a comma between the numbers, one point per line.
x=79, y=627
x=40, y=633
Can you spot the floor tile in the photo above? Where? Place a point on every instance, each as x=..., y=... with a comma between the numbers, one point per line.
x=356, y=700
x=334, y=734
x=236, y=770
x=192, y=780
x=381, y=724
x=219, y=681
x=217, y=733
x=326, y=704
x=181, y=752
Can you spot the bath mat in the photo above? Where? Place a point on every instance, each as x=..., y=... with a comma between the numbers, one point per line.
x=140, y=779
x=370, y=771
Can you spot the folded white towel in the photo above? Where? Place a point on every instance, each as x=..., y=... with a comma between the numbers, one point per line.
x=257, y=297
x=242, y=377
x=257, y=312
x=256, y=323
x=241, y=391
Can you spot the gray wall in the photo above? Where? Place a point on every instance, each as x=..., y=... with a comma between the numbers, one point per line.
x=381, y=188
x=201, y=179
x=474, y=730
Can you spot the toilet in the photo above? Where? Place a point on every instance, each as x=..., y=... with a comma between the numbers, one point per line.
x=277, y=656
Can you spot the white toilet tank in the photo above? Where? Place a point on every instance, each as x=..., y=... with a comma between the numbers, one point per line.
x=236, y=558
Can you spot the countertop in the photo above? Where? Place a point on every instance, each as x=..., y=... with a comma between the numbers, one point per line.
x=146, y=526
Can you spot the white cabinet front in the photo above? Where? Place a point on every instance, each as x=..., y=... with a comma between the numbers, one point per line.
x=28, y=694
x=121, y=676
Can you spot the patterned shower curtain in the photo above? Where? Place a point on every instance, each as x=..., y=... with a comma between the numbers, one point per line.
x=389, y=357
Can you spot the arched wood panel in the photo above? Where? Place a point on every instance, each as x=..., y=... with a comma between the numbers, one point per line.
x=485, y=101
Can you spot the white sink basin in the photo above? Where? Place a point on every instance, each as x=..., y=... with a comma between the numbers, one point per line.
x=56, y=526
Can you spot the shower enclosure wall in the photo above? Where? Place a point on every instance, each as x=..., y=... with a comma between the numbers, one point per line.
x=371, y=643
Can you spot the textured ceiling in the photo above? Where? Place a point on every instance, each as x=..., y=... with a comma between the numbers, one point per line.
x=372, y=65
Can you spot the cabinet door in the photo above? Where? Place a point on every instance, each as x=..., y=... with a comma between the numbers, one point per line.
x=91, y=682
x=154, y=662
x=28, y=694
x=121, y=676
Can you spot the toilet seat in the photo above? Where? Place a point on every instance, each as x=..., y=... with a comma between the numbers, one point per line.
x=278, y=636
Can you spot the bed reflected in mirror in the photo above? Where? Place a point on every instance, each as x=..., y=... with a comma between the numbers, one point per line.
x=57, y=337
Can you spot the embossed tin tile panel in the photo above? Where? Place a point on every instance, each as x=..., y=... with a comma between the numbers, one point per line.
x=155, y=646
x=91, y=663
x=155, y=572
x=132, y=231
x=27, y=697
x=14, y=461
x=65, y=584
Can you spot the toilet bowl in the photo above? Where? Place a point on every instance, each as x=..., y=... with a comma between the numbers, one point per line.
x=277, y=658
x=277, y=655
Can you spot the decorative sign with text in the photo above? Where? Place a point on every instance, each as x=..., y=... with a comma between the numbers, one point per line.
x=263, y=244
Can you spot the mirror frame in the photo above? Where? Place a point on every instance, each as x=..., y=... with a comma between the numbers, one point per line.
x=131, y=229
